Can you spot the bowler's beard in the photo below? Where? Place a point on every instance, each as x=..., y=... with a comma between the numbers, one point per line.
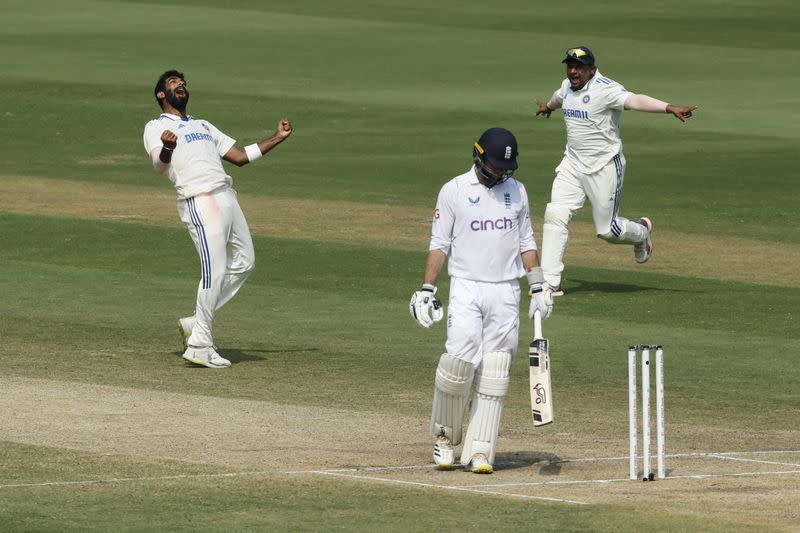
x=178, y=102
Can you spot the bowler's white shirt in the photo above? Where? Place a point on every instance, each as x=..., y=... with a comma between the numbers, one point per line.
x=196, y=165
x=483, y=231
x=592, y=115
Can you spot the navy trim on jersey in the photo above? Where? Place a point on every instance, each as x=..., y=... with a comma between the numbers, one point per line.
x=205, y=256
x=173, y=119
x=615, y=228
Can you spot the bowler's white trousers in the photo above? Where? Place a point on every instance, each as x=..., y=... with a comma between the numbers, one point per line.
x=222, y=238
x=569, y=192
x=482, y=317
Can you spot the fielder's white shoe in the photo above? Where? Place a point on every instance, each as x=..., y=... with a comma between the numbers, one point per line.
x=480, y=465
x=643, y=250
x=207, y=356
x=185, y=326
x=443, y=453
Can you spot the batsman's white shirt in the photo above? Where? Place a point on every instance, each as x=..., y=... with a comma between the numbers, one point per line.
x=196, y=166
x=592, y=116
x=483, y=231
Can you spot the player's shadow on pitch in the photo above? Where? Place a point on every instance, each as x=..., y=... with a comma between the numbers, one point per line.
x=579, y=285
x=549, y=464
x=239, y=355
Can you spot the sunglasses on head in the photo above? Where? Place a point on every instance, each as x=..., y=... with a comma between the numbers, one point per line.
x=577, y=53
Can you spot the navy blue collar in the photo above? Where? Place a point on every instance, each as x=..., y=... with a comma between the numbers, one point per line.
x=176, y=117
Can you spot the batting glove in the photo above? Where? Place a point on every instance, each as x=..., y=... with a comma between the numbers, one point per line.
x=425, y=307
x=541, y=297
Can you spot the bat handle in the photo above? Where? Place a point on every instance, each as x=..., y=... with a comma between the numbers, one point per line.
x=537, y=324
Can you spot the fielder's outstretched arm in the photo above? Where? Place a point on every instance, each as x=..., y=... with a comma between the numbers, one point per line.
x=642, y=102
x=240, y=157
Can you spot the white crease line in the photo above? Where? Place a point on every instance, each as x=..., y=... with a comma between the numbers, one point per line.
x=735, y=474
x=413, y=467
x=448, y=487
x=367, y=469
x=552, y=482
x=543, y=462
x=744, y=459
x=129, y=479
x=603, y=481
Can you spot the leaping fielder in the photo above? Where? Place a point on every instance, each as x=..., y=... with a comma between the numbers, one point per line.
x=188, y=150
x=482, y=224
x=593, y=165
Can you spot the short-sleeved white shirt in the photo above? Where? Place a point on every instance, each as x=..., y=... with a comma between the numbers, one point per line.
x=483, y=231
x=196, y=165
x=592, y=115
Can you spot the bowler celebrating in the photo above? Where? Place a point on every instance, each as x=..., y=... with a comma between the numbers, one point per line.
x=593, y=165
x=188, y=151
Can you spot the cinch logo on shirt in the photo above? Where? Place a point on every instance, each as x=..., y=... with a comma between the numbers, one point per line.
x=574, y=113
x=488, y=225
x=198, y=137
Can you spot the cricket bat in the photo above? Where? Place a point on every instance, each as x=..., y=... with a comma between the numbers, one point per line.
x=541, y=396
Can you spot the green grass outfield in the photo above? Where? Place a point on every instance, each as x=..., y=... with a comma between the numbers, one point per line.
x=321, y=422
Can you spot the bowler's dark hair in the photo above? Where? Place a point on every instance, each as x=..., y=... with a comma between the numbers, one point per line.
x=161, y=84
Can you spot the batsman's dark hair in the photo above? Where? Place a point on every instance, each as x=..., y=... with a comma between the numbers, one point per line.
x=161, y=84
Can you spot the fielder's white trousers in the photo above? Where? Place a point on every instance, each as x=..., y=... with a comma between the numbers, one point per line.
x=220, y=233
x=482, y=317
x=569, y=192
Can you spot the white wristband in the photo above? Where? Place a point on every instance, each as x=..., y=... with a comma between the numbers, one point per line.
x=253, y=152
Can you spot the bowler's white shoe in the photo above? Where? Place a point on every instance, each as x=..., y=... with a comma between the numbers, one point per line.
x=643, y=250
x=480, y=465
x=185, y=326
x=443, y=453
x=207, y=356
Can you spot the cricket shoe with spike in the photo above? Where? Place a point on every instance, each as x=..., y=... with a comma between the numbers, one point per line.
x=185, y=326
x=480, y=465
x=206, y=356
x=443, y=453
x=643, y=250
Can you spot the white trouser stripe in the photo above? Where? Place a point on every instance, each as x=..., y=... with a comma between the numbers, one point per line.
x=205, y=256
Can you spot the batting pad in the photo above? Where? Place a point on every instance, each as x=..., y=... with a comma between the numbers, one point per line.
x=491, y=387
x=453, y=384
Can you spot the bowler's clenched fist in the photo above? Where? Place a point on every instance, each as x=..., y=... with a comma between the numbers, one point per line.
x=284, y=128
x=169, y=140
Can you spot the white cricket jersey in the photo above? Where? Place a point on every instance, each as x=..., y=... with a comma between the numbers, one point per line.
x=483, y=231
x=196, y=165
x=592, y=115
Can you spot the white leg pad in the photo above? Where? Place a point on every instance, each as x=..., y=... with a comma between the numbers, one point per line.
x=555, y=239
x=453, y=384
x=491, y=387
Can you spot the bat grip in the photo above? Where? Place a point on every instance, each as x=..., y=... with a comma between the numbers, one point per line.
x=537, y=324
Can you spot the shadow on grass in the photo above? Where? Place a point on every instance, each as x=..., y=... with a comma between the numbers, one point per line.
x=238, y=355
x=549, y=463
x=579, y=285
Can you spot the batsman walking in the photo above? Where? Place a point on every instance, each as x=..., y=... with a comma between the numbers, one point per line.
x=481, y=226
x=593, y=165
x=189, y=152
